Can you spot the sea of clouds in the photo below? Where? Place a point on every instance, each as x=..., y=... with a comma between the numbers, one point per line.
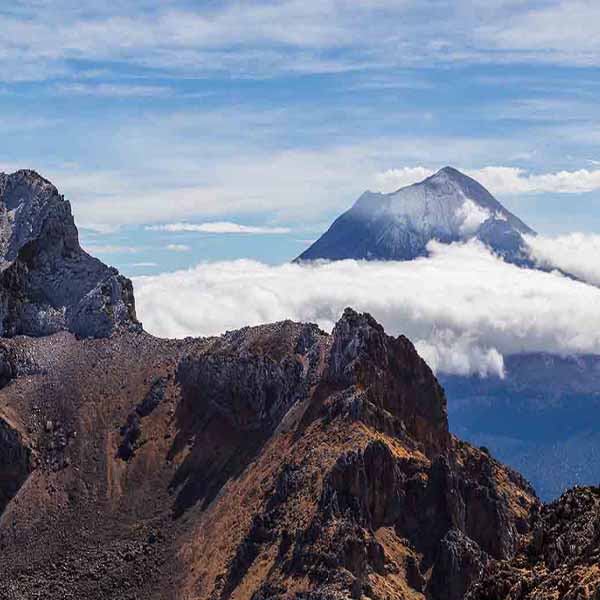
x=463, y=307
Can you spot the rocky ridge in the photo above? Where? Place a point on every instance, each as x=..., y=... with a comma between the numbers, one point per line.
x=272, y=462
x=48, y=283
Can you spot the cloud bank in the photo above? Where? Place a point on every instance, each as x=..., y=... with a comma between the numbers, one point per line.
x=218, y=227
x=575, y=253
x=462, y=307
x=502, y=180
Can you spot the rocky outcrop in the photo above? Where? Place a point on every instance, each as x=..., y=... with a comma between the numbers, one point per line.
x=15, y=462
x=47, y=282
x=253, y=381
x=400, y=496
x=459, y=563
x=561, y=558
x=388, y=374
x=132, y=429
x=271, y=462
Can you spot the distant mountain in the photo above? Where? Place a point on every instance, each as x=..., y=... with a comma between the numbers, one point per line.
x=448, y=206
x=541, y=419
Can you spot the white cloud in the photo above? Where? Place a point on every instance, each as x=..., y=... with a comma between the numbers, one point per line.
x=43, y=40
x=463, y=307
x=576, y=253
x=143, y=264
x=112, y=90
x=510, y=180
x=172, y=177
x=178, y=248
x=503, y=180
x=393, y=179
x=551, y=32
x=446, y=351
x=101, y=228
x=110, y=249
x=218, y=227
x=471, y=216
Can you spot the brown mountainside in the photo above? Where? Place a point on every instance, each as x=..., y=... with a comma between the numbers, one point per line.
x=275, y=461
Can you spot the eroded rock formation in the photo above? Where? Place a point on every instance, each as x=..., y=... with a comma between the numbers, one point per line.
x=47, y=282
x=272, y=462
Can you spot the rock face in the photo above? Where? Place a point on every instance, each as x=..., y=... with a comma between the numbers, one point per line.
x=47, y=282
x=15, y=462
x=448, y=206
x=561, y=558
x=272, y=462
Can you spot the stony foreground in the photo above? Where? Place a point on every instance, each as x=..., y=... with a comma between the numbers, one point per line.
x=274, y=461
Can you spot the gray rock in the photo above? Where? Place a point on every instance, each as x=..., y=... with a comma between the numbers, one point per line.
x=48, y=283
x=15, y=462
x=460, y=562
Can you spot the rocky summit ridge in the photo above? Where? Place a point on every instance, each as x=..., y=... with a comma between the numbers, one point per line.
x=48, y=283
x=448, y=206
x=272, y=462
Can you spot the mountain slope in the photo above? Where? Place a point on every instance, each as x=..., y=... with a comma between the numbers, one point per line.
x=272, y=462
x=448, y=206
x=541, y=418
x=47, y=282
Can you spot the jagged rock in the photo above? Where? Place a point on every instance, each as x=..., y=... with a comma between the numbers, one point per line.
x=560, y=558
x=8, y=368
x=391, y=376
x=15, y=462
x=459, y=563
x=47, y=282
x=131, y=431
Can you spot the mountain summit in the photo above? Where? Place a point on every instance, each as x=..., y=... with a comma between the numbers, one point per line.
x=48, y=283
x=449, y=206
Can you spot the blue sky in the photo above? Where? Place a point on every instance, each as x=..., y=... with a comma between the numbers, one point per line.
x=276, y=116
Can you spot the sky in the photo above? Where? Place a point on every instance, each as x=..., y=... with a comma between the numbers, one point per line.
x=200, y=131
